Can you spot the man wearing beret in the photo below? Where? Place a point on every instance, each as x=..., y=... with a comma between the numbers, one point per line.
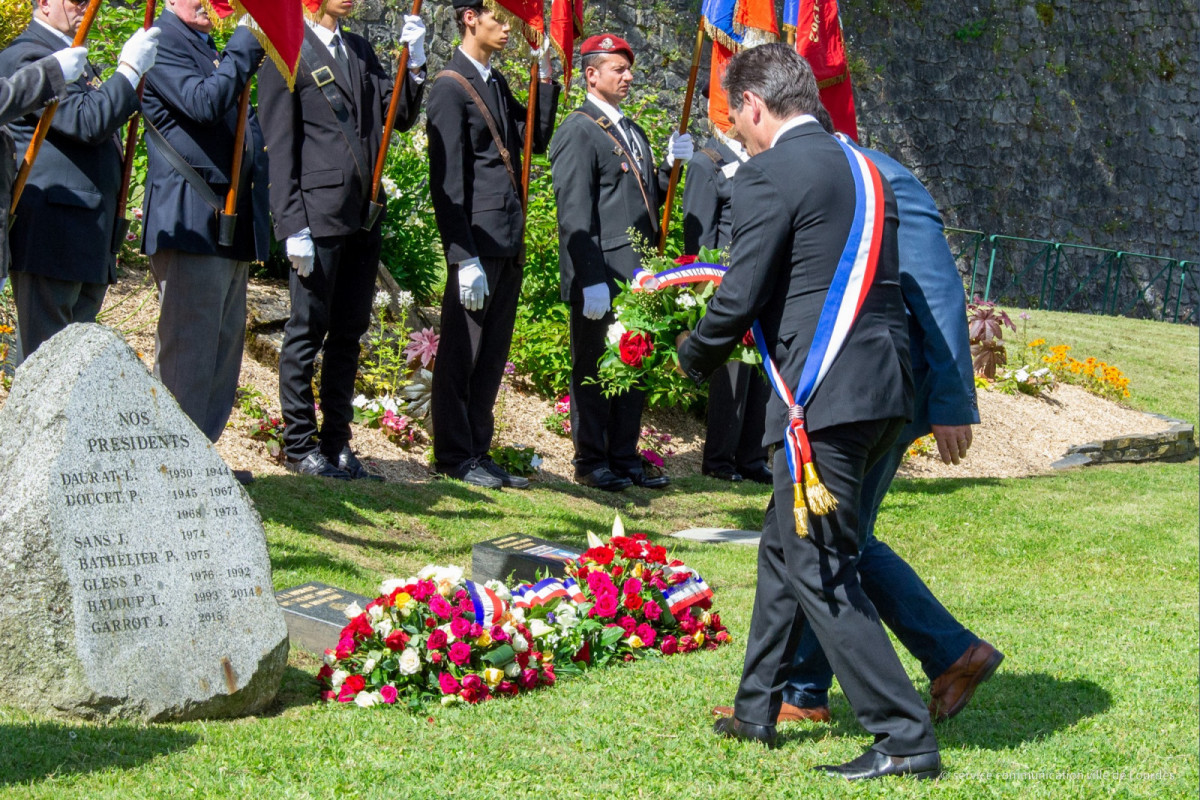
x=605, y=183
x=323, y=139
x=476, y=129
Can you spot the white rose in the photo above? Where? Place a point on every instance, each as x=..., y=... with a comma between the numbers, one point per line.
x=510, y=629
x=375, y=613
x=410, y=662
x=391, y=585
x=427, y=572
x=338, y=678
x=384, y=628
x=565, y=616
x=352, y=610
x=512, y=670
x=366, y=699
x=518, y=614
x=368, y=666
x=449, y=699
x=614, y=332
x=330, y=657
x=538, y=628
x=450, y=637
x=519, y=644
x=500, y=589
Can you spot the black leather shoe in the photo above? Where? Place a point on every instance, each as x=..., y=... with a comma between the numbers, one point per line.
x=605, y=479
x=348, y=462
x=638, y=477
x=243, y=476
x=760, y=475
x=473, y=472
x=874, y=764
x=509, y=480
x=316, y=464
x=734, y=728
x=733, y=476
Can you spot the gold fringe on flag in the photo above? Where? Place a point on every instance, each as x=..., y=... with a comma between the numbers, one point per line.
x=226, y=23
x=532, y=35
x=718, y=35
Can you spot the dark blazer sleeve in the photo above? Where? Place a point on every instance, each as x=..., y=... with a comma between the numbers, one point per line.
x=575, y=174
x=449, y=155
x=282, y=124
x=701, y=205
x=92, y=118
x=761, y=243
x=206, y=99
x=547, y=109
x=30, y=88
x=409, y=107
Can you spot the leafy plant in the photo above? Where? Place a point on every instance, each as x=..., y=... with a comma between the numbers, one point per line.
x=267, y=428
x=517, y=459
x=383, y=368
x=559, y=422
x=985, y=327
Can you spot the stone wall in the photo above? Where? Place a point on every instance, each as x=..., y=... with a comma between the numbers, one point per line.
x=1046, y=120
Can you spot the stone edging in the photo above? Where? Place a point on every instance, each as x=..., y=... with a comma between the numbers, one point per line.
x=1177, y=443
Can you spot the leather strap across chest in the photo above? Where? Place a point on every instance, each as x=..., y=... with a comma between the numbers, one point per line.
x=489, y=119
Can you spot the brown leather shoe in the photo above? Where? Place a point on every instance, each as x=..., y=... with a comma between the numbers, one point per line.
x=950, y=691
x=787, y=713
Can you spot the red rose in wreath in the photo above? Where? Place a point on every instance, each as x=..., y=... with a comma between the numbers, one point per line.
x=634, y=348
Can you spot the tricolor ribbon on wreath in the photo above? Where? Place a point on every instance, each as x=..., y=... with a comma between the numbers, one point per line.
x=489, y=606
x=687, y=592
x=544, y=591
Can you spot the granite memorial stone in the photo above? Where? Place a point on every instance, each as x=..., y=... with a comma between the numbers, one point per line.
x=134, y=578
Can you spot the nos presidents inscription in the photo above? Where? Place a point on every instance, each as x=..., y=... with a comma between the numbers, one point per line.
x=155, y=543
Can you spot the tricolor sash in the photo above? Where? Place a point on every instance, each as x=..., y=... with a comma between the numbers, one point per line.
x=686, y=593
x=851, y=282
x=489, y=607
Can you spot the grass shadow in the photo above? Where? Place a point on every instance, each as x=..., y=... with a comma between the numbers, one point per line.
x=297, y=690
x=35, y=751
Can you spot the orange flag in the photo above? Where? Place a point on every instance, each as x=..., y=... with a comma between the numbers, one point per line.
x=566, y=25
x=819, y=39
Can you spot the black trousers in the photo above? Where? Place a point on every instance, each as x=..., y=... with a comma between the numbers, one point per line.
x=737, y=408
x=472, y=351
x=331, y=310
x=815, y=579
x=46, y=305
x=605, y=430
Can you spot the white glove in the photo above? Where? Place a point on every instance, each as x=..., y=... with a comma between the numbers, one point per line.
x=472, y=284
x=413, y=35
x=679, y=148
x=595, y=300
x=72, y=60
x=542, y=54
x=301, y=252
x=141, y=50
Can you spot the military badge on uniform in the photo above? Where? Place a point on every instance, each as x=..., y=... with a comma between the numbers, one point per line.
x=624, y=166
x=606, y=43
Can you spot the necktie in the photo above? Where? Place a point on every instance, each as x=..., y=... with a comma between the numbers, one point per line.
x=339, y=51
x=502, y=119
x=635, y=149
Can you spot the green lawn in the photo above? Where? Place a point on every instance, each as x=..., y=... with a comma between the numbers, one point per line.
x=1088, y=581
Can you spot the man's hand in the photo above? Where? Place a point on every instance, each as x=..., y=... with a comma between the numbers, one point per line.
x=679, y=340
x=301, y=252
x=472, y=284
x=542, y=55
x=953, y=441
x=413, y=35
x=679, y=148
x=141, y=50
x=596, y=301
x=72, y=60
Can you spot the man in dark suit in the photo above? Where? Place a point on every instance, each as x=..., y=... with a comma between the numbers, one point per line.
x=191, y=100
x=62, y=237
x=738, y=392
x=605, y=183
x=954, y=658
x=474, y=183
x=793, y=215
x=29, y=89
x=322, y=140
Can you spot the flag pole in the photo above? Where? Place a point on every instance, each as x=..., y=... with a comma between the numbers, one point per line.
x=43, y=126
x=530, y=121
x=131, y=138
x=683, y=126
x=228, y=219
x=375, y=208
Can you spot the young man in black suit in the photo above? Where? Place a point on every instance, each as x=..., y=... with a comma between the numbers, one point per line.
x=794, y=208
x=606, y=183
x=322, y=140
x=191, y=110
x=59, y=279
x=474, y=184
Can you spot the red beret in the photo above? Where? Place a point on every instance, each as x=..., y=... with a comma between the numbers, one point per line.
x=606, y=43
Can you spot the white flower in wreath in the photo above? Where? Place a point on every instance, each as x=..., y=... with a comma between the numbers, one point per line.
x=449, y=699
x=500, y=589
x=538, y=628
x=368, y=666
x=512, y=670
x=410, y=662
x=365, y=699
x=385, y=627
x=686, y=300
x=447, y=578
x=375, y=613
x=450, y=637
x=353, y=610
x=565, y=616
x=391, y=584
x=615, y=331
x=518, y=614
x=330, y=657
x=519, y=643
x=338, y=678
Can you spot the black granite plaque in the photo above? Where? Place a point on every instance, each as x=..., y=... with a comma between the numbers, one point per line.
x=315, y=614
x=518, y=555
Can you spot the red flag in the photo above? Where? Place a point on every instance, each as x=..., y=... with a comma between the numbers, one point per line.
x=524, y=15
x=754, y=21
x=819, y=39
x=718, y=102
x=566, y=25
x=278, y=26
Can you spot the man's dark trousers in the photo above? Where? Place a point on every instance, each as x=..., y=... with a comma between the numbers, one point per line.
x=737, y=401
x=343, y=278
x=605, y=429
x=464, y=399
x=815, y=579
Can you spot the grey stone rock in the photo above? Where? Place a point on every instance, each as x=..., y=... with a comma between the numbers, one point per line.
x=134, y=577
x=1068, y=462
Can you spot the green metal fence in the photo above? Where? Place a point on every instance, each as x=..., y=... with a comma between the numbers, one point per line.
x=1055, y=276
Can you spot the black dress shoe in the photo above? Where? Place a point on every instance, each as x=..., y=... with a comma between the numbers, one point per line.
x=733, y=476
x=318, y=465
x=348, y=462
x=638, y=477
x=605, y=479
x=506, y=478
x=874, y=764
x=474, y=473
x=243, y=476
x=734, y=728
x=760, y=475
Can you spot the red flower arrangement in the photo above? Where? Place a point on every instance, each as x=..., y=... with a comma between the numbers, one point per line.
x=634, y=347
